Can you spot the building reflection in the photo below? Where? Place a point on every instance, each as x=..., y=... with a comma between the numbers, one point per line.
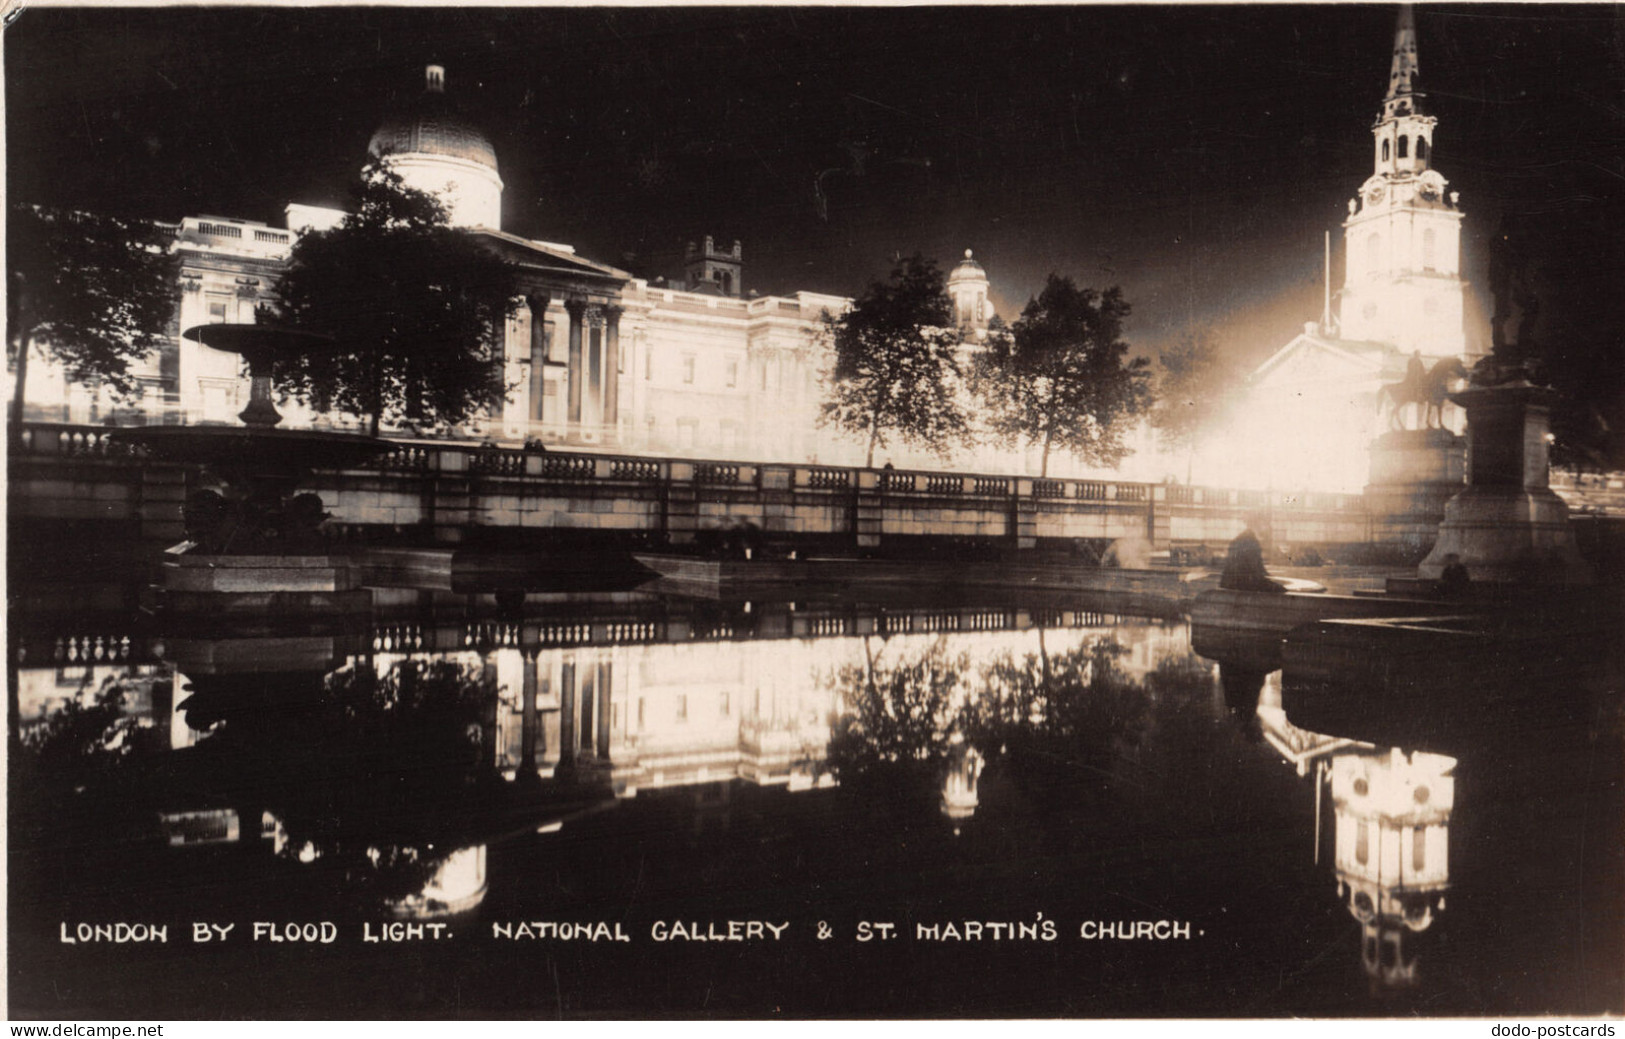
x=1391, y=813
x=648, y=716
x=286, y=742
x=959, y=796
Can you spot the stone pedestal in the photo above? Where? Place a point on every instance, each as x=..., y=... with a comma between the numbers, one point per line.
x=1507, y=526
x=1414, y=472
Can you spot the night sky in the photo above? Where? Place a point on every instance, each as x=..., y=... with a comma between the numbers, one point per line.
x=1193, y=155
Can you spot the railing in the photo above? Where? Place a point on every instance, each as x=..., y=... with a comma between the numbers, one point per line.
x=716, y=473
x=497, y=461
x=829, y=479
x=410, y=457
x=634, y=469
x=75, y=441
x=72, y=441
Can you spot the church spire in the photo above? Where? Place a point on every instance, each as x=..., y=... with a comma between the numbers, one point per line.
x=1404, y=135
x=1402, y=76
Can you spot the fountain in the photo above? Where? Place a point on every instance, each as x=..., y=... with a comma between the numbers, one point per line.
x=254, y=544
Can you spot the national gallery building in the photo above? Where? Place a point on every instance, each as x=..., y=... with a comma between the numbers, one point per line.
x=596, y=358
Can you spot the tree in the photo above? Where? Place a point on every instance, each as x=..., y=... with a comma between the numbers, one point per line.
x=94, y=292
x=1062, y=376
x=1193, y=386
x=896, y=364
x=416, y=309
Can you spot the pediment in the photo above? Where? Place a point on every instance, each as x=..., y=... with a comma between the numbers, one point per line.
x=545, y=258
x=1309, y=358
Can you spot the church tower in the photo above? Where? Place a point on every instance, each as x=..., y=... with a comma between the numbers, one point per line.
x=1402, y=278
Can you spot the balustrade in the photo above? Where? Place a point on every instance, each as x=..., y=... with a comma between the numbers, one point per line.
x=829, y=479
x=634, y=469
x=716, y=473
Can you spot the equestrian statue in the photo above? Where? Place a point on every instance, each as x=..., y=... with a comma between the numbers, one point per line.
x=1427, y=388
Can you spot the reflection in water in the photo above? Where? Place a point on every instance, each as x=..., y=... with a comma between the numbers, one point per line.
x=1391, y=830
x=1392, y=838
x=959, y=798
x=912, y=763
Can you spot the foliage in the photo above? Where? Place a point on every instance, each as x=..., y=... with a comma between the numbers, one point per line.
x=1193, y=387
x=900, y=716
x=95, y=292
x=82, y=733
x=896, y=365
x=1077, y=709
x=416, y=308
x=1062, y=377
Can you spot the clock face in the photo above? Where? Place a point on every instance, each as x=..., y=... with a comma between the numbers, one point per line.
x=1374, y=194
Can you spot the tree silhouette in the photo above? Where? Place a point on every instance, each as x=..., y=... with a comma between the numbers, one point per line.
x=416, y=307
x=1062, y=377
x=896, y=362
x=94, y=292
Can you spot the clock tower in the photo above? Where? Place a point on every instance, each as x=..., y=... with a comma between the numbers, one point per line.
x=1402, y=278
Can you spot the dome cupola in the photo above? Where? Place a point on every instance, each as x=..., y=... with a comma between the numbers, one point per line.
x=967, y=287
x=434, y=148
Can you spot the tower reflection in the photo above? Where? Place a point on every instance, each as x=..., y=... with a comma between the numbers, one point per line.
x=1391, y=813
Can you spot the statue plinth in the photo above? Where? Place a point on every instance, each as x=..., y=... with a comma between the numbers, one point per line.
x=1507, y=526
x=1414, y=472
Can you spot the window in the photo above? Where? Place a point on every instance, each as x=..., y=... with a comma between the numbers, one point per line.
x=1421, y=147
x=733, y=372
x=1384, y=151
x=1419, y=848
x=682, y=707
x=1362, y=844
x=1404, y=145
x=764, y=375
x=688, y=369
x=217, y=311
x=640, y=714
x=724, y=704
x=648, y=363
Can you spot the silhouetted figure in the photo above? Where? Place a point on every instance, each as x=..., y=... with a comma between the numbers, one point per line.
x=1244, y=566
x=1454, y=578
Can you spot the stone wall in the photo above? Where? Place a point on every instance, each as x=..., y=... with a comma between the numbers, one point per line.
x=438, y=493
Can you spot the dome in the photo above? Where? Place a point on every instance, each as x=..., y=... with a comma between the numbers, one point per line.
x=967, y=270
x=431, y=125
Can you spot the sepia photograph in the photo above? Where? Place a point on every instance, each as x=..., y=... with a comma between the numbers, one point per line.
x=813, y=512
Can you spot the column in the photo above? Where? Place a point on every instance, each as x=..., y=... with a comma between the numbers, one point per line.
x=577, y=310
x=605, y=673
x=538, y=352
x=527, y=714
x=612, y=365
x=567, y=713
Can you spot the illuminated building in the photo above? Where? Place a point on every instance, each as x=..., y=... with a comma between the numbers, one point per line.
x=1392, y=813
x=1313, y=409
